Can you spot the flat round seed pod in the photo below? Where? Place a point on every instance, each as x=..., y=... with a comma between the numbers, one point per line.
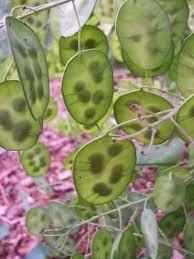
x=61, y=214
x=51, y=111
x=178, y=13
x=148, y=72
x=38, y=20
x=37, y=220
x=172, y=224
x=87, y=86
x=91, y=38
x=36, y=160
x=169, y=192
x=66, y=245
x=103, y=168
x=127, y=246
x=185, y=67
x=184, y=118
x=178, y=171
x=101, y=245
x=130, y=105
x=83, y=209
x=146, y=43
x=77, y=256
x=68, y=163
x=18, y=129
x=31, y=65
x=189, y=201
x=188, y=235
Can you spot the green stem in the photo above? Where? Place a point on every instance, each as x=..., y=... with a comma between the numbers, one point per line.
x=38, y=9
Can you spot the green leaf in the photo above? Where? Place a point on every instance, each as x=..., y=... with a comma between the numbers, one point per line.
x=18, y=129
x=101, y=244
x=36, y=160
x=37, y=220
x=103, y=169
x=188, y=235
x=91, y=38
x=189, y=201
x=31, y=65
x=169, y=192
x=172, y=223
x=145, y=103
x=150, y=231
x=127, y=246
x=87, y=86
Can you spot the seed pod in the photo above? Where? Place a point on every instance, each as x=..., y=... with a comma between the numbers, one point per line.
x=31, y=65
x=102, y=169
x=36, y=160
x=143, y=103
x=87, y=86
x=18, y=129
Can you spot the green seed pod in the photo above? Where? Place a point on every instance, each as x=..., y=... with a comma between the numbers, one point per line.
x=102, y=169
x=91, y=38
x=185, y=67
x=83, y=209
x=144, y=103
x=142, y=38
x=169, y=192
x=87, y=86
x=51, y=111
x=178, y=12
x=61, y=214
x=18, y=129
x=101, y=244
x=31, y=65
x=68, y=163
x=172, y=223
x=37, y=220
x=36, y=160
x=184, y=118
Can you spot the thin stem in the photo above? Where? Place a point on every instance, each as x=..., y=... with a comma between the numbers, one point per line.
x=104, y=226
x=182, y=130
x=136, y=119
x=38, y=9
x=79, y=25
x=164, y=92
x=101, y=215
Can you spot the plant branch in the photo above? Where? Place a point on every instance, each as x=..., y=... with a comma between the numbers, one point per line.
x=38, y=9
